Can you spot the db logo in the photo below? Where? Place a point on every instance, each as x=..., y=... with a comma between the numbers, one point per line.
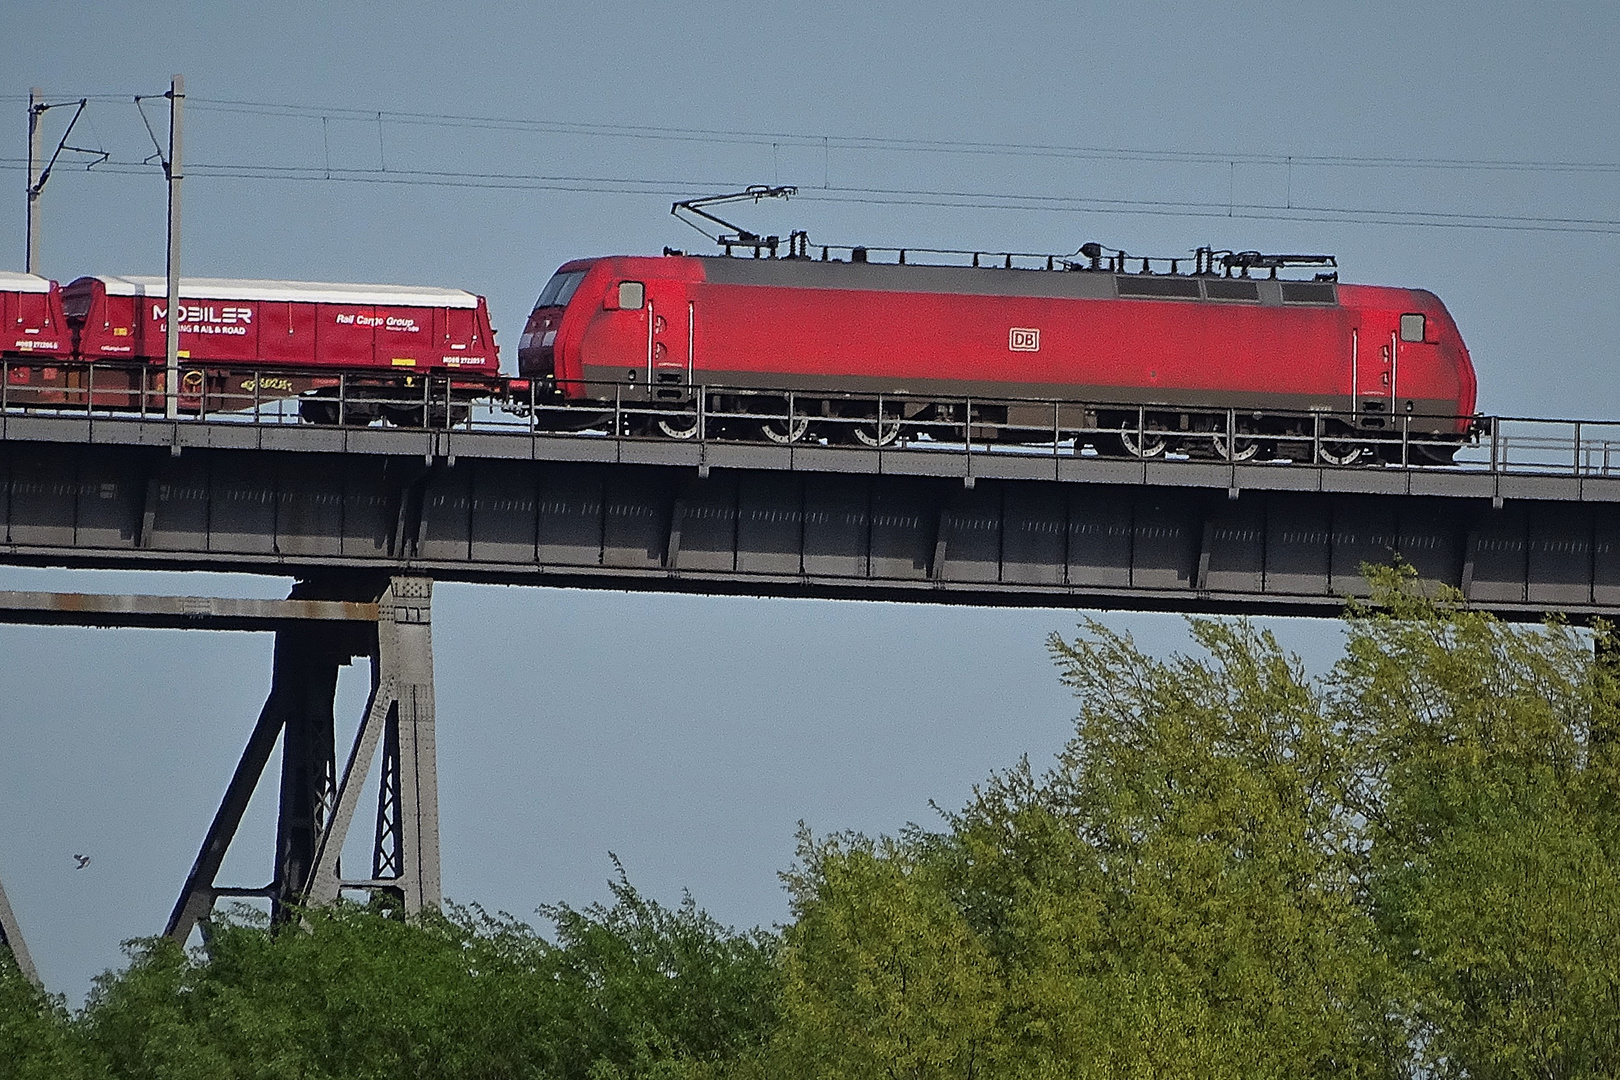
x=1023, y=339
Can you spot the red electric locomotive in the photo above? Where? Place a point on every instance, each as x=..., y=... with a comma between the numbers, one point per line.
x=1227, y=364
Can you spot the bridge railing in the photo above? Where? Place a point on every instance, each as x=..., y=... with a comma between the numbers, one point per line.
x=723, y=413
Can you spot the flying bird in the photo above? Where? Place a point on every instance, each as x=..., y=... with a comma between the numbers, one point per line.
x=82, y=860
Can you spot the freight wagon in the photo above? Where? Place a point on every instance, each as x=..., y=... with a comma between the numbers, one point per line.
x=32, y=325
x=364, y=350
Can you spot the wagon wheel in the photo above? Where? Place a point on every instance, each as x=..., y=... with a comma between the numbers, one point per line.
x=405, y=416
x=318, y=410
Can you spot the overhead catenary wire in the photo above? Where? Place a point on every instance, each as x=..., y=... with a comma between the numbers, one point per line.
x=828, y=141
x=974, y=200
x=859, y=142
x=1288, y=210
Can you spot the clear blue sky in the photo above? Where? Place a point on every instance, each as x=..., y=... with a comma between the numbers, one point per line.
x=688, y=735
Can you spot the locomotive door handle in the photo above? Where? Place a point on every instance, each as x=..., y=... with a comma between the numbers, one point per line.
x=1394, y=369
x=650, y=325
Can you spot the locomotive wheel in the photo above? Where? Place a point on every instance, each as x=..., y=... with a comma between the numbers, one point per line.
x=878, y=431
x=1432, y=454
x=1340, y=453
x=1147, y=443
x=859, y=424
x=785, y=430
x=1243, y=446
x=680, y=425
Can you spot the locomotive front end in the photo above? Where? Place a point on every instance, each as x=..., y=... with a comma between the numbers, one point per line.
x=538, y=348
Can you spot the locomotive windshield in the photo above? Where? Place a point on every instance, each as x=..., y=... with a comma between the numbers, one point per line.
x=560, y=289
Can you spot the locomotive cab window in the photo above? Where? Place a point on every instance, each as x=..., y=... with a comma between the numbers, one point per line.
x=560, y=289
x=631, y=296
x=1412, y=327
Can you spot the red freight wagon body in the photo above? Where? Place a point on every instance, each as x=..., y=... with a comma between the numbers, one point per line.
x=285, y=323
x=31, y=321
x=1178, y=341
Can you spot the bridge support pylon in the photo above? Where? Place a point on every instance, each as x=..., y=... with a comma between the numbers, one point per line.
x=317, y=805
x=11, y=938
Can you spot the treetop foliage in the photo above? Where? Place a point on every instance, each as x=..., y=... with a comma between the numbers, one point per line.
x=1405, y=867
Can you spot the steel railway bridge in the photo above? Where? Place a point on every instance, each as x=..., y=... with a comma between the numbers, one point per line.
x=365, y=519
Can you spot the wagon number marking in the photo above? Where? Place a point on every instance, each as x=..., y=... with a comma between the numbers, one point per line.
x=1024, y=339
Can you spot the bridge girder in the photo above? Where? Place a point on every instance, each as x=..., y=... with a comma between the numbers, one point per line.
x=785, y=521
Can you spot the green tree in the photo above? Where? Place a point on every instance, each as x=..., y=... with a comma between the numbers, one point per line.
x=628, y=990
x=352, y=992
x=883, y=976
x=36, y=1035
x=640, y=990
x=1216, y=931
x=1177, y=897
x=1491, y=794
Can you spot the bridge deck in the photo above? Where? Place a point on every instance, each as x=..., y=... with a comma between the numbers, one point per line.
x=1032, y=528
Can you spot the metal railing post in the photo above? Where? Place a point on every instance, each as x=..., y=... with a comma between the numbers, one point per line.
x=1577, y=448
x=1406, y=439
